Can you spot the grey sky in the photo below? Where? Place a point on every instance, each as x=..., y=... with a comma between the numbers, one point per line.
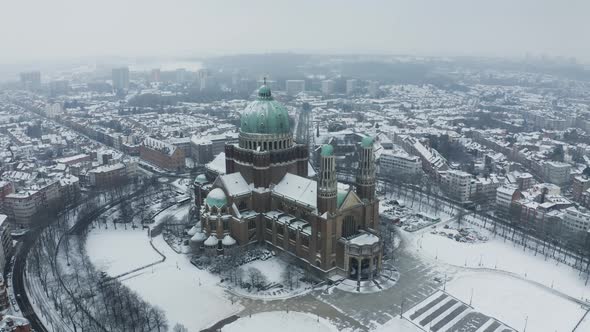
x=61, y=28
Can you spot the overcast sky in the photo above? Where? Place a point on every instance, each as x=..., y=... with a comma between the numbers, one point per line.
x=70, y=28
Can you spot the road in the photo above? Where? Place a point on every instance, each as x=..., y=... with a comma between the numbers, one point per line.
x=18, y=280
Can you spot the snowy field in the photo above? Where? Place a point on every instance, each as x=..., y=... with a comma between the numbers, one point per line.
x=187, y=295
x=119, y=251
x=504, y=256
x=280, y=320
x=512, y=300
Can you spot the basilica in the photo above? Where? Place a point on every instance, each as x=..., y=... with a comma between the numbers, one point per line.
x=267, y=196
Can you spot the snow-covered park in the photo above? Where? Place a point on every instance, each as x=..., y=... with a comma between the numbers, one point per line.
x=515, y=301
x=501, y=255
x=187, y=295
x=506, y=282
x=119, y=251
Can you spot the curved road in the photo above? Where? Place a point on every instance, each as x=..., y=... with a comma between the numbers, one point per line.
x=18, y=279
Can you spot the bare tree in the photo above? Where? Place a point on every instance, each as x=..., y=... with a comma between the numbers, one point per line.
x=257, y=279
x=179, y=328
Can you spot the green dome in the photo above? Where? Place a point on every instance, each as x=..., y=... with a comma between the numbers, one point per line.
x=327, y=150
x=265, y=115
x=201, y=178
x=367, y=142
x=217, y=198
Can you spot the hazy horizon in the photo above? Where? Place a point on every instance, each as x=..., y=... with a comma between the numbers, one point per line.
x=62, y=29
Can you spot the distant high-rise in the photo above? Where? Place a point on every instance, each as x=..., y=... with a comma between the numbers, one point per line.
x=351, y=86
x=294, y=87
x=120, y=78
x=373, y=88
x=327, y=87
x=181, y=75
x=155, y=75
x=60, y=87
x=204, y=79
x=31, y=80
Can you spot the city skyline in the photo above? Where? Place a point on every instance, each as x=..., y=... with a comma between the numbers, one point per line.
x=453, y=28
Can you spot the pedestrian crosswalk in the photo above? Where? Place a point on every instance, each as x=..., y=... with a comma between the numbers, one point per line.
x=441, y=312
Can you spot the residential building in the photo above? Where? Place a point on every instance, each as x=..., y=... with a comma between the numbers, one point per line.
x=21, y=207
x=398, y=163
x=6, y=248
x=580, y=184
x=505, y=196
x=576, y=220
x=556, y=172
x=459, y=185
x=107, y=176
x=162, y=154
x=525, y=181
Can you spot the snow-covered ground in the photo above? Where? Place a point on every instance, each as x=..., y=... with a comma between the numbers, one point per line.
x=511, y=301
x=273, y=269
x=119, y=251
x=178, y=211
x=280, y=320
x=187, y=295
x=505, y=256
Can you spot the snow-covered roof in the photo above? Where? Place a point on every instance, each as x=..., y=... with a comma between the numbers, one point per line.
x=364, y=239
x=235, y=184
x=216, y=197
x=297, y=188
x=228, y=241
x=192, y=231
x=199, y=237
x=217, y=165
x=211, y=241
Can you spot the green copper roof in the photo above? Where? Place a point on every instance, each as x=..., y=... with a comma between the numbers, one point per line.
x=327, y=150
x=265, y=115
x=367, y=142
x=216, y=197
x=340, y=197
x=201, y=178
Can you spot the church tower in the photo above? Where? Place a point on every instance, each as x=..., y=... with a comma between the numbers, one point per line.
x=327, y=184
x=365, y=176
